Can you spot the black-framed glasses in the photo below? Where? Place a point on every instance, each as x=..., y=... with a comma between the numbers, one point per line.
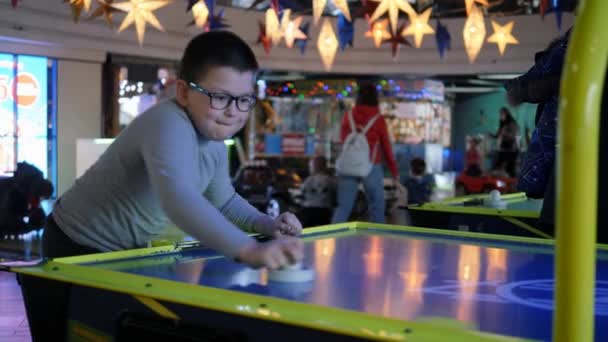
x=221, y=101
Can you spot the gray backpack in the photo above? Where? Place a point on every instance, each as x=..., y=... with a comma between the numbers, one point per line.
x=354, y=158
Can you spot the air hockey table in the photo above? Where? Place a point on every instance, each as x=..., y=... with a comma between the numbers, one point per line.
x=378, y=282
x=468, y=213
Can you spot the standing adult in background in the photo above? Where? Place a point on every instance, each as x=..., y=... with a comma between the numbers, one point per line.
x=508, y=150
x=364, y=111
x=540, y=85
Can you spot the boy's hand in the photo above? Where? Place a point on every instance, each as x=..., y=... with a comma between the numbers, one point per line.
x=287, y=224
x=273, y=254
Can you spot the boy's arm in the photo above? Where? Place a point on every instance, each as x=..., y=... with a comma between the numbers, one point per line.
x=171, y=162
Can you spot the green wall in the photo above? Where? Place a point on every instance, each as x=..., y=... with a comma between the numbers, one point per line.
x=479, y=114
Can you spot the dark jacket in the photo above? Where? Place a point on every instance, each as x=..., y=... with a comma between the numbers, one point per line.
x=541, y=85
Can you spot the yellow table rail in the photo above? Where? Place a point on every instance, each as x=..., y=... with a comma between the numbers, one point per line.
x=581, y=94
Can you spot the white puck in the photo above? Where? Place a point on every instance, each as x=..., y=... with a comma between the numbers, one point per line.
x=288, y=275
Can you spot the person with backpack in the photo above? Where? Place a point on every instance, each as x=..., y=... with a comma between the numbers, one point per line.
x=366, y=144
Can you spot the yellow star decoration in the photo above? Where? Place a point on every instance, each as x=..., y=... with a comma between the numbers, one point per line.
x=85, y=3
x=474, y=33
x=200, y=12
x=327, y=44
x=378, y=32
x=291, y=28
x=419, y=26
x=76, y=6
x=502, y=36
x=469, y=4
x=273, y=27
x=392, y=7
x=318, y=6
x=105, y=8
x=140, y=12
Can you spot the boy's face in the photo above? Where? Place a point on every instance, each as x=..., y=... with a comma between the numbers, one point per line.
x=217, y=124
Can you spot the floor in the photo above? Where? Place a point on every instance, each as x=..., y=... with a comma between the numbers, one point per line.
x=13, y=321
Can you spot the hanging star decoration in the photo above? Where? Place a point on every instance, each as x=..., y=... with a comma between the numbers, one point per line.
x=276, y=6
x=140, y=12
x=557, y=8
x=263, y=38
x=378, y=31
x=303, y=43
x=502, y=36
x=419, y=26
x=327, y=45
x=474, y=33
x=367, y=8
x=76, y=6
x=346, y=32
x=469, y=4
x=396, y=40
x=392, y=7
x=318, y=6
x=273, y=27
x=104, y=8
x=443, y=39
x=216, y=21
x=291, y=28
x=543, y=7
x=342, y=5
x=200, y=12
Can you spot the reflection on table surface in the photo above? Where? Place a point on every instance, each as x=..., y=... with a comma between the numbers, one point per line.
x=500, y=290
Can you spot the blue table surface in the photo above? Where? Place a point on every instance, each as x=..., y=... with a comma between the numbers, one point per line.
x=505, y=290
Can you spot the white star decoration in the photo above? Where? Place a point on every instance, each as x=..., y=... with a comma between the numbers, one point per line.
x=474, y=33
x=318, y=6
x=469, y=4
x=200, y=12
x=327, y=44
x=378, y=32
x=140, y=12
x=393, y=7
x=502, y=36
x=291, y=28
x=419, y=26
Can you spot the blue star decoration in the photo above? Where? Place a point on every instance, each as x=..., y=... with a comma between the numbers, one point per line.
x=443, y=39
x=557, y=8
x=215, y=21
x=302, y=43
x=396, y=40
x=346, y=32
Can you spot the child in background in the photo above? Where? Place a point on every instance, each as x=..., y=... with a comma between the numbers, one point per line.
x=473, y=159
x=318, y=191
x=419, y=184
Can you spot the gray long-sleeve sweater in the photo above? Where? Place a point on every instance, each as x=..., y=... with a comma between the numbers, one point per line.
x=159, y=169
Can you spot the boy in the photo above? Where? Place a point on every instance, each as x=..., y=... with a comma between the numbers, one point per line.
x=170, y=164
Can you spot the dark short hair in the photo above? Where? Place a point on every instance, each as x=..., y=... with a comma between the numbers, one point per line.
x=418, y=166
x=368, y=94
x=215, y=49
x=320, y=164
